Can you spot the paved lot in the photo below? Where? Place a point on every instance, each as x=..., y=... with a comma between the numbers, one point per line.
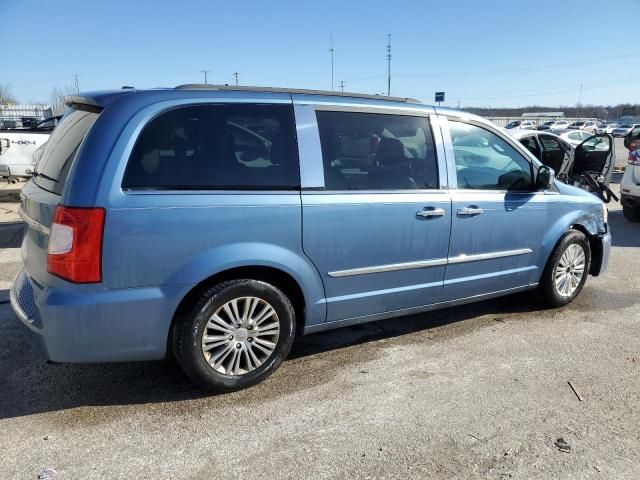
x=472, y=392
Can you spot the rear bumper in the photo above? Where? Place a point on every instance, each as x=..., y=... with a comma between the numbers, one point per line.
x=89, y=323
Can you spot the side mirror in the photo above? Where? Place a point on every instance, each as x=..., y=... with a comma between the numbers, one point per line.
x=545, y=178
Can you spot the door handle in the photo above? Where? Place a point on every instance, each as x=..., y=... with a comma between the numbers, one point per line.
x=470, y=211
x=431, y=212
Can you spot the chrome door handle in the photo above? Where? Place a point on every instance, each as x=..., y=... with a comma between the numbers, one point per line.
x=431, y=212
x=469, y=211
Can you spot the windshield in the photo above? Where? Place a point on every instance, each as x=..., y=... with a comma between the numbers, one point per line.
x=549, y=123
x=625, y=126
x=61, y=149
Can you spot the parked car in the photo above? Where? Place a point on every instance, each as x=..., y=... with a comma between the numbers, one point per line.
x=605, y=128
x=624, y=129
x=595, y=155
x=148, y=230
x=590, y=126
x=524, y=124
x=630, y=184
x=553, y=125
x=576, y=126
x=610, y=128
x=17, y=161
x=573, y=137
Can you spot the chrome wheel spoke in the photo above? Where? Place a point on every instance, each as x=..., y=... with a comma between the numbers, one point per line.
x=570, y=270
x=241, y=335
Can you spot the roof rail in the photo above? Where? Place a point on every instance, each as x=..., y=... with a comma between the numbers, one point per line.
x=203, y=86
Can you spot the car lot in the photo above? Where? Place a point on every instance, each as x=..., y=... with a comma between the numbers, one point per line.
x=472, y=392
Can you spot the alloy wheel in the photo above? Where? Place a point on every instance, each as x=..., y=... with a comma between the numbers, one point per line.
x=240, y=336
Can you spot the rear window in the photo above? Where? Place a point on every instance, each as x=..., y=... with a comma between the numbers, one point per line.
x=61, y=148
x=216, y=147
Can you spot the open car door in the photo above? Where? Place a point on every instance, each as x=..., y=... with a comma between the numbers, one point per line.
x=596, y=155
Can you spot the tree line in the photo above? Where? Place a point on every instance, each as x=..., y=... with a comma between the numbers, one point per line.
x=603, y=112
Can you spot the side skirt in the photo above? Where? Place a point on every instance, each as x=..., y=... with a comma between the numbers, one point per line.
x=411, y=311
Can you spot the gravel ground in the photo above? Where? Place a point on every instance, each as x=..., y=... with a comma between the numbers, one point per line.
x=478, y=391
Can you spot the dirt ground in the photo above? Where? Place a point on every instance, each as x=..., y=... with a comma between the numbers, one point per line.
x=479, y=391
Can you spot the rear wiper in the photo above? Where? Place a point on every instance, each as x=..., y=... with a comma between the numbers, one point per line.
x=46, y=177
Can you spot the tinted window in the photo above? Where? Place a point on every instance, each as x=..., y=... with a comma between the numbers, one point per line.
x=61, y=148
x=216, y=147
x=487, y=162
x=531, y=145
x=368, y=151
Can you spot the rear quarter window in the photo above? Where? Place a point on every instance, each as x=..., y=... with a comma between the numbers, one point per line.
x=216, y=147
x=61, y=148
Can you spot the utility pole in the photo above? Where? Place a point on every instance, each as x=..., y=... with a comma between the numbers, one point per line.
x=75, y=77
x=389, y=65
x=578, y=104
x=236, y=74
x=342, y=86
x=205, y=75
x=331, y=50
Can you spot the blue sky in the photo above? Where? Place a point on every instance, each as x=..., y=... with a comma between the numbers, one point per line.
x=482, y=53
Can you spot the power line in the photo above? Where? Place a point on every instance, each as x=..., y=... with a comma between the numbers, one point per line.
x=236, y=75
x=342, y=86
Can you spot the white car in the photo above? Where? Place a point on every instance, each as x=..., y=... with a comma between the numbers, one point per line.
x=521, y=124
x=553, y=125
x=606, y=128
x=573, y=137
x=630, y=184
x=18, y=147
x=596, y=155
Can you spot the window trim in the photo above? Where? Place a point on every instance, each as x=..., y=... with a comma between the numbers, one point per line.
x=534, y=163
x=215, y=189
x=430, y=117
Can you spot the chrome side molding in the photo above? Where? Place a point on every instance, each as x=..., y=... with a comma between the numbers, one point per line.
x=436, y=262
x=489, y=256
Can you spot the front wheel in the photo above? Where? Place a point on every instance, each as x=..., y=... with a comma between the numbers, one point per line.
x=234, y=335
x=566, y=271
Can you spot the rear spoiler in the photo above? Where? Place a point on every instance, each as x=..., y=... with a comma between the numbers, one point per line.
x=95, y=101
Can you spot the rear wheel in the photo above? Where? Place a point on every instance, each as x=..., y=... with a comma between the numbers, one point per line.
x=566, y=271
x=234, y=335
x=631, y=213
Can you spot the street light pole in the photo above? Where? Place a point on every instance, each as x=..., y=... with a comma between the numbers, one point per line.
x=389, y=65
x=331, y=50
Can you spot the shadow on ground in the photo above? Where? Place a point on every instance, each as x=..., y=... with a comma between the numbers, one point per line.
x=29, y=385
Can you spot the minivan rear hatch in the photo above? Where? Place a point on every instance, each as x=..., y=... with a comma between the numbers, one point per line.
x=43, y=192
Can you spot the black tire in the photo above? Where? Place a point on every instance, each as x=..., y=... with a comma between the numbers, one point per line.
x=190, y=327
x=547, y=291
x=631, y=213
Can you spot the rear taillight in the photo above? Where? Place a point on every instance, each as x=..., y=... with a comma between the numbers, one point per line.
x=75, y=244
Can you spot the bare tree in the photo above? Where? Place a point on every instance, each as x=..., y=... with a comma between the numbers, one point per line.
x=6, y=95
x=57, y=98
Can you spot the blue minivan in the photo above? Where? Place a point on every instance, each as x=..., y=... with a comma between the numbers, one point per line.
x=214, y=223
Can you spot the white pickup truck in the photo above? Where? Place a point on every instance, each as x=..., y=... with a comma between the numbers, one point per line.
x=17, y=147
